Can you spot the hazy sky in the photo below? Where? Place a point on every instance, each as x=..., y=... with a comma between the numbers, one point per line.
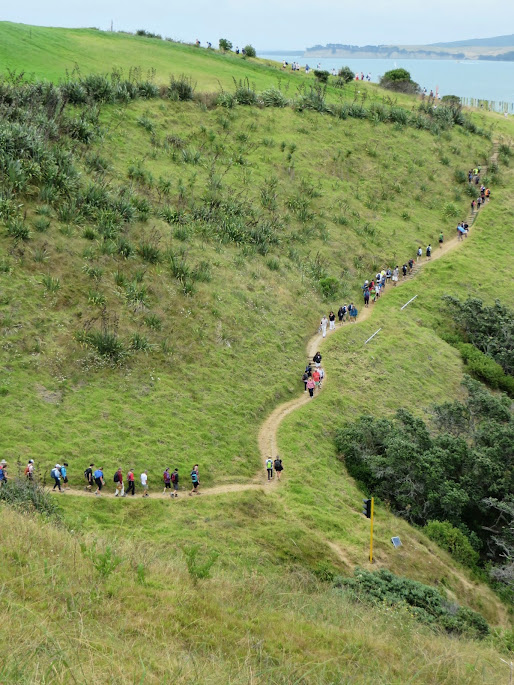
x=280, y=24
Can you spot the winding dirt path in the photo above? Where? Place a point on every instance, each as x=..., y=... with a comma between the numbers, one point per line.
x=267, y=437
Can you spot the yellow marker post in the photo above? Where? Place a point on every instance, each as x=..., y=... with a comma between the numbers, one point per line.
x=371, y=533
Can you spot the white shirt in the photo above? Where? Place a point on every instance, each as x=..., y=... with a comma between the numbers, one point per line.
x=144, y=479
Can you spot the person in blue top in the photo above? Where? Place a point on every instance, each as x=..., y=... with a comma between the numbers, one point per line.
x=195, y=480
x=99, y=480
x=64, y=474
x=3, y=472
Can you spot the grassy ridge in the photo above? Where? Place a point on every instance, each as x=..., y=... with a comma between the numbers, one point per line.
x=220, y=359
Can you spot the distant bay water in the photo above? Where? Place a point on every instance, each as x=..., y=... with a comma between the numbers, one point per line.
x=472, y=80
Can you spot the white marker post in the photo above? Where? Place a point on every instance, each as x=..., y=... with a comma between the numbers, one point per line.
x=374, y=334
x=411, y=300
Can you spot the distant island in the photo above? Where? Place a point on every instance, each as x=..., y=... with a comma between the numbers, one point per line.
x=495, y=48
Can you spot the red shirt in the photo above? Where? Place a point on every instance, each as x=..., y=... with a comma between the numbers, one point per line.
x=130, y=475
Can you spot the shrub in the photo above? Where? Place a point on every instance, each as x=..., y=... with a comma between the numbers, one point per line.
x=460, y=176
x=321, y=75
x=28, y=496
x=453, y=541
x=149, y=252
x=96, y=299
x=181, y=88
x=50, y=283
x=427, y=604
x=346, y=74
x=272, y=97
x=41, y=224
x=18, y=229
x=139, y=343
x=250, y=51
x=199, y=563
x=485, y=368
x=244, y=94
x=329, y=287
x=400, y=81
x=105, y=342
x=450, y=210
x=226, y=100
x=225, y=45
x=105, y=562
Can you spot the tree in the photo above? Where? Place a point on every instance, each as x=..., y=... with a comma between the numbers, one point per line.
x=225, y=45
x=346, y=74
x=250, y=51
x=400, y=81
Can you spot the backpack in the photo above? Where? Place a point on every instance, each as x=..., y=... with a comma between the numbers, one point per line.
x=166, y=476
x=194, y=476
x=173, y=477
x=54, y=473
x=27, y=471
x=116, y=478
x=269, y=464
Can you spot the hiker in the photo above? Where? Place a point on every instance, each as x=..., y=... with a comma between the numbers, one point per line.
x=441, y=239
x=395, y=275
x=99, y=480
x=278, y=466
x=166, y=476
x=429, y=252
x=194, y=480
x=411, y=264
x=64, y=474
x=317, y=359
x=269, y=467
x=118, y=479
x=174, y=480
x=131, y=482
x=308, y=370
x=472, y=207
x=305, y=378
x=310, y=386
x=404, y=271
x=420, y=252
x=56, y=475
x=487, y=193
x=144, y=483
x=341, y=313
x=332, y=319
x=353, y=313
x=321, y=376
x=88, y=475
x=323, y=326
x=3, y=472
x=29, y=470
x=366, y=298
x=316, y=377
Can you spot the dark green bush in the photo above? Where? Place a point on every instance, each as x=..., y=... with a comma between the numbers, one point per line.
x=250, y=51
x=453, y=541
x=28, y=496
x=425, y=602
x=400, y=81
x=321, y=75
x=346, y=74
x=225, y=45
x=181, y=88
x=329, y=287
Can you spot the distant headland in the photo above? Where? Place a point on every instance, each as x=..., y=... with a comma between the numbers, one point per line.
x=495, y=48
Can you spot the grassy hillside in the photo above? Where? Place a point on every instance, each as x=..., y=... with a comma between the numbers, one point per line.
x=198, y=240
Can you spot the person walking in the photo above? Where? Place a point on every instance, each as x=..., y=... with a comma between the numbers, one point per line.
x=332, y=319
x=195, y=481
x=56, y=475
x=99, y=480
x=118, y=479
x=144, y=483
x=310, y=386
x=323, y=326
x=419, y=253
x=29, y=470
x=340, y=314
x=174, y=480
x=3, y=472
x=317, y=359
x=269, y=467
x=278, y=466
x=64, y=475
x=441, y=239
x=404, y=271
x=166, y=476
x=353, y=313
x=316, y=377
x=395, y=275
x=366, y=297
x=305, y=378
x=131, y=480
x=429, y=252
x=88, y=475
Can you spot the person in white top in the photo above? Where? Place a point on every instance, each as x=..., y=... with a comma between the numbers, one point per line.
x=323, y=326
x=144, y=483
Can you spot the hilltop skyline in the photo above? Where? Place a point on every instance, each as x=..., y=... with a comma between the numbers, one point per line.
x=278, y=25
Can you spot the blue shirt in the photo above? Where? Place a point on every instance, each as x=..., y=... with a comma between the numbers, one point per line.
x=98, y=474
x=63, y=471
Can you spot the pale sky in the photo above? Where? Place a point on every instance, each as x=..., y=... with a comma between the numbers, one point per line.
x=280, y=24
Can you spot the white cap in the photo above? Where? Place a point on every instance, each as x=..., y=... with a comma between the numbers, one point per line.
x=57, y=466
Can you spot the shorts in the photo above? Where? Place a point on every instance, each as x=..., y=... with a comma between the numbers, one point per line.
x=195, y=486
x=167, y=485
x=175, y=486
x=99, y=483
x=65, y=479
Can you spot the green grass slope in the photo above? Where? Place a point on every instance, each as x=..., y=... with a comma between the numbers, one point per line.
x=235, y=216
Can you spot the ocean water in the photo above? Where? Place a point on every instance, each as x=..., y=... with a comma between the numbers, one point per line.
x=492, y=81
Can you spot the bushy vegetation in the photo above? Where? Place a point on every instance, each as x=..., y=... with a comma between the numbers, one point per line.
x=425, y=603
x=400, y=81
x=450, y=476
